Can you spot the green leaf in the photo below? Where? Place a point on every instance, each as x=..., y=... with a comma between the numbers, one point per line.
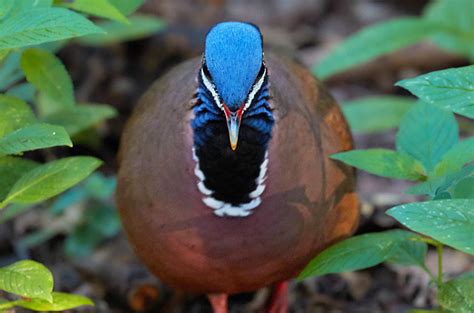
x=102, y=8
x=47, y=73
x=11, y=169
x=448, y=221
x=409, y=253
x=437, y=185
x=464, y=189
x=451, y=89
x=14, y=114
x=456, y=17
x=140, y=26
x=457, y=295
x=127, y=7
x=460, y=154
x=28, y=279
x=24, y=91
x=372, y=42
x=81, y=117
x=50, y=179
x=41, y=25
x=467, y=111
x=426, y=133
x=5, y=7
x=33, y=137
x=61, y=302
x=10, y=71
x=383, y=162
x=376, y=114
x=359, y=252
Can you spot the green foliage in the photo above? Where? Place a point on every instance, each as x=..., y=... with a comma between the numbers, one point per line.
x=15, y=114
x=383, y=162
x=36, y=26
x=60, y=302
x=47, y=73
x=139, y=27
x=32, y=137
x=457, y=295
x=372, y=42
x=26, y=24
x=50, y=179
x=34, y=283
x=428, y=151
x=448, y=221
x=456, y=18
x=452, y=89
x=375, y=114
x=449, y=22
x=81, y=117
x=102, y=8
x=28, y=279
x=368, y=250
x=426, y=133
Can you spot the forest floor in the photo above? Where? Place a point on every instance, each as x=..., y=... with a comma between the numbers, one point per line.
x=305, y=29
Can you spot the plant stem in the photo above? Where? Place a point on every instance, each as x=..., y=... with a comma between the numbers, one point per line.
x=7, y=305
x=439, y=249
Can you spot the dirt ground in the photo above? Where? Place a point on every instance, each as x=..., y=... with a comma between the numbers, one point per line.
x=304, y=29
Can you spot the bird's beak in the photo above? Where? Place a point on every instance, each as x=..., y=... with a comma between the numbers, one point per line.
x=233, y=125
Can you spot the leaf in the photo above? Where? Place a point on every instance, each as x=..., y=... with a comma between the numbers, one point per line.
x=448, y=221
x=426, y=133
x=41, y=25
x=11, y=169
x=376, y=114
x=372, y=42
x=50, y=179
x=460, y=154
x=81, y=117
x=47, y=73
x=5, y=7
x=358, y=252
x=383, y=162
x=102, y=8
x=127, y=7
x=409, y=253
x=10, y=71
x=456, y=17
x=464, y=189
x=14, y=114
x=28, y=279
x=33, y=137
x=61, y=302
x=457, y=295
x=24, y=91
x=437, y=185
x=140, y=26
x=452, y=89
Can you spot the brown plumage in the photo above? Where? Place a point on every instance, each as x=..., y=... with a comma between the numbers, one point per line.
x=308, y=204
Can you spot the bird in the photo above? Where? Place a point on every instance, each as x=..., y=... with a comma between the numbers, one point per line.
x=225, y=182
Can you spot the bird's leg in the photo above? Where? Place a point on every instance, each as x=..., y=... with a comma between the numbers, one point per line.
x=279, y=299
x=218, y=302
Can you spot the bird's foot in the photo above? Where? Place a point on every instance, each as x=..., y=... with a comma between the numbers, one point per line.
x=218, y=302
x=279, y=299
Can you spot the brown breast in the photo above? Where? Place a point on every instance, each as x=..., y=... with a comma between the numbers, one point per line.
x=308, y=204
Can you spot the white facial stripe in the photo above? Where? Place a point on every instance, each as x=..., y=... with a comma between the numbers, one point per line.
x=210, y=86
x=255, y=89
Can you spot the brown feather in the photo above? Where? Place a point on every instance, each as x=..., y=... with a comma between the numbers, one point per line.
x=308, y=204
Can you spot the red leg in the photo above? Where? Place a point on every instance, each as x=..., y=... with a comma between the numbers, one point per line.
x=218, y=302
x=279, y=300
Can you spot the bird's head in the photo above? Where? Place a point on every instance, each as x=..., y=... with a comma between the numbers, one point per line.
x=233, y=70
